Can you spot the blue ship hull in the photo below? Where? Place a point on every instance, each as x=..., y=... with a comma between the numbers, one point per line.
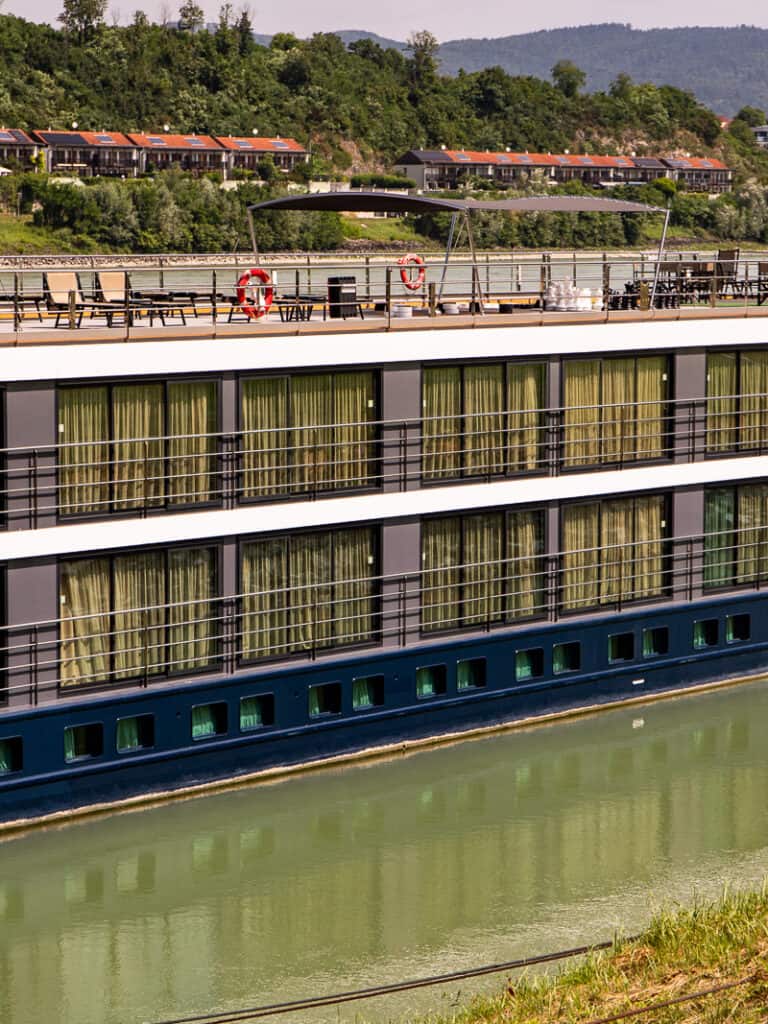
x=46, y=783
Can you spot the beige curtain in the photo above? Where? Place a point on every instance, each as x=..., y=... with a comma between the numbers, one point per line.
x=137, y=431
x=619, y=442
x=753, y=390
x=752, y=536
x=483, y=420
x=353, y=586
x=139, y=613
x=312, y=432
x=483, y=569
x=265, y=585
x=721, y=401
x=85, y=622
x=581, y=538
x=649, y=534
x=582, y=412
x=441, y=554
x=651, y=394
x=526, y=401
x=311, y=594
x=265, y=441
x=192, y=422
x=616, y=555
x=353, y=410
x=192, y=631
x=441, y=441
x=84, y=461
x=525, y=575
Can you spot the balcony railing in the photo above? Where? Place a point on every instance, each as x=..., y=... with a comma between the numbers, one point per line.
x=45, y=484
x=223, y=634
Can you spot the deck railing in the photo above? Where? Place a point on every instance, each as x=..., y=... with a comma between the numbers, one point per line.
x=222, y=634
x=87, y=479
x=203, y=299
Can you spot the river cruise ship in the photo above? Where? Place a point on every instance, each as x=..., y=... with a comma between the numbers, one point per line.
x=353, y=504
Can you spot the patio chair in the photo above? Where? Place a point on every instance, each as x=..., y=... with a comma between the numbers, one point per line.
x=62, y=287
x=726, y=272
x=112, y=286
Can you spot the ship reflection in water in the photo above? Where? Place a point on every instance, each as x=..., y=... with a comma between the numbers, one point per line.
x=482, y=851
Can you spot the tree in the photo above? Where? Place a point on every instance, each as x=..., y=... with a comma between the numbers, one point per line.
x=753, y=116
x=244, y=30
x=191, y=16
x=81, y=18
x=568, y=78
x=423, y=47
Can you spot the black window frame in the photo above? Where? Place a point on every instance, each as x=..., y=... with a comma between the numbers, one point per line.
x=220, y=709
x=154, y=506
x=476, y=661
x=738, y=411
x=440, y=680
x=266, y=700
x=292, y=491
x=463, y=472
x=616, y=641
x=331, y=693
x=91, y=729
x=143, y=718
x=15, y=745
x=111, y=680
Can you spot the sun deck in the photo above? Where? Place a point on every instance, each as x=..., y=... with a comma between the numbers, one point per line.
x=162, y=299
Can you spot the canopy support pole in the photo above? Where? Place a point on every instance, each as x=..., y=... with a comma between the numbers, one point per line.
x=448, y=248
x=477, y=286
x=659, y=255
x=252, y=232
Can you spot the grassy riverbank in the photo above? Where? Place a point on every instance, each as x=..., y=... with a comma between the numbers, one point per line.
x=682, y=952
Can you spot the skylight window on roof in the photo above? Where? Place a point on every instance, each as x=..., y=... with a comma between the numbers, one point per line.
x=463, y=156
x=194, y=142
x=503, y=158
x=562, y=159
x=279, y=144
x=622, y=161
x=707, y=163
x=587, y=160
x=6, y=137
x=156, y=140
x=105, y=140
x=524, y=158
x=243, y=144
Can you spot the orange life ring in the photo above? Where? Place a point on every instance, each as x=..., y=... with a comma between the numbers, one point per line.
x=412, y=260
x=256, y=305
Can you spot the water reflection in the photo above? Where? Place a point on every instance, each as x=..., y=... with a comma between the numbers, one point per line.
x=484, y=850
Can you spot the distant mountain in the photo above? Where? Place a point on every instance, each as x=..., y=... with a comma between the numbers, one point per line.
x=352, y=35
x=726, y=68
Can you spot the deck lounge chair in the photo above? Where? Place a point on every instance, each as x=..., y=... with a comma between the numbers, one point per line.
x=726, y=267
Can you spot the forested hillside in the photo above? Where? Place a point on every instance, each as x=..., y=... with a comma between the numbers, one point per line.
x=360, y=105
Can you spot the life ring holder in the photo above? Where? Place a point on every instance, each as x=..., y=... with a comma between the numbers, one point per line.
x=257, y=305
x=411, y=282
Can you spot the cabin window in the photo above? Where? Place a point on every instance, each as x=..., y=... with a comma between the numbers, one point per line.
x=257, y=712
x=308, y=591
x=308, y=433
x=482, y=419
x=367, y=692
x=470, y=674
x=736, y=535
x=737, y=401
x=135, y=615
x=135, y=733
x=615, y=410
x=325, y=699
x=529, y=664
x=430, y=681
x=705, y=633
x=737, y=628
x=209, y=720
x=482, y=569
x=566, y=658
x=83, y=741
x=655, y=641
x=621, y=647
x=11, y=755
x=613, y=551
x=130, y=447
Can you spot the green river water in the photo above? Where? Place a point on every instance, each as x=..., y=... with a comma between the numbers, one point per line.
x=481, y=851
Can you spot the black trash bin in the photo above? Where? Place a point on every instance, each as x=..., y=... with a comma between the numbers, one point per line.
x=342, y=297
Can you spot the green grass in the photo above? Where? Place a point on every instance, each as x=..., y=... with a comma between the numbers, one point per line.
x=19, y=236
x=384, y=229
x=683, y=951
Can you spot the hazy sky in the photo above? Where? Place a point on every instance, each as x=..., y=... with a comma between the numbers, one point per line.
x=447, y=20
